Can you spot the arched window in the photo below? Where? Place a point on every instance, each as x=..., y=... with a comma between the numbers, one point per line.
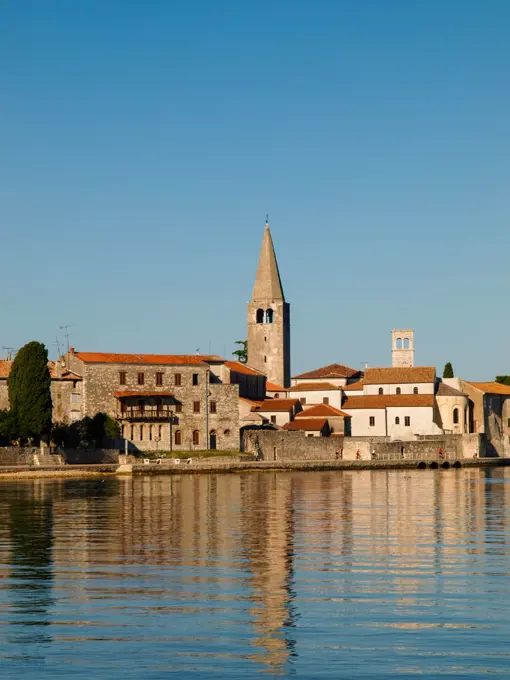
x=398, y=343
x=398, y=390
x=132, y=432
x=212, y=439
x=276, y=396
x=397, y=421
x=269, y=316
x=406, y=343
x=160, y=432
x=150, y=433
x=260, y=316
x=178, y=437
x=123, y=431
x=455, y=416
x=196, y=437
x=227, y=433
x=141, y=433
x=415, y=390
x=381, y=391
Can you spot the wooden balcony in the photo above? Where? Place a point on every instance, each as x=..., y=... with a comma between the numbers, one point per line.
x=162, y=412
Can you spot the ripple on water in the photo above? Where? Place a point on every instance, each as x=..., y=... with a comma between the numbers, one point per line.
x=320, y=575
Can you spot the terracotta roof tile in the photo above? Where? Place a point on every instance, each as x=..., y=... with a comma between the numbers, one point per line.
x=444, y=390
x=273, y=387
x=155, y=359
x=310, y=424
x=6, y=365
x=276, y=405
x=354, y=386
x=491, y=387
x=253, y=402
x=391, y=376
x=330, y=371
x=322, y=411
x=238, y=367
x=311, y=387
x=388, y=401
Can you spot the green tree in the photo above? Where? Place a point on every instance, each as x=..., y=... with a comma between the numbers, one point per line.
x=29, y=385
x=448, y=371
x=241, y=354
x=8, y=427
x=503, y=379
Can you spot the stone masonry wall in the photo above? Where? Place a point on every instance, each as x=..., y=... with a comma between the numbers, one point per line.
x=279, y=445
x=101, y=381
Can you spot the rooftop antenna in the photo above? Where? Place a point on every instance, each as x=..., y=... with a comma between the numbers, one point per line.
x=67, y=335
x=58, y=346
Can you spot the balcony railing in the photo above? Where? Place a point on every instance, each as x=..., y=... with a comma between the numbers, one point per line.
x=146, y=413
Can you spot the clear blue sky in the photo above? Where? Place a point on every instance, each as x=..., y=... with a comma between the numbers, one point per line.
x=143, y=141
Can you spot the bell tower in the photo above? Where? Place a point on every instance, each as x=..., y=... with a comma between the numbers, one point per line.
x=269, y=319
x=402, y=348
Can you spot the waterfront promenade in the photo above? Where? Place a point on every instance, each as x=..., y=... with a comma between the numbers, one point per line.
x=203, y=466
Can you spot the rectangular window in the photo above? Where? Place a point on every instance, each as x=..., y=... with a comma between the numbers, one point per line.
x=372, y=421
x=325, y=400
x=159, y=379
x=407, y=421
x=508, y=422
x=303, y=400
x=177, y=379
x=195, y=378
x=75, y=397
x=178, y=408
x=122, y=377
x=273, y=419
x=212, y=408
x=141, y=378
x=196, y=407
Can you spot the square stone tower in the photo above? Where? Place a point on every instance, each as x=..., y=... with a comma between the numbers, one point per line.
x=269, y=319
x=402, y=348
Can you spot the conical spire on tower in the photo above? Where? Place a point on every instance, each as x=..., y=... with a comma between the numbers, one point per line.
x=268, y=285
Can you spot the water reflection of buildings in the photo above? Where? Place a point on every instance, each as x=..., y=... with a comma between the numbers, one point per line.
x=253, y=543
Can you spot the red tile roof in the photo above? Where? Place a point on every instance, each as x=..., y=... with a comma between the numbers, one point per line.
x=408, y=374
x=253, y=402
x=388, y=401
x=155, y=359
x=238, y=367
x=273, y=387
x=354, y=386
x=5, y=368
x=330, y=371
x=313, y=387
x=276, y=405
x=323, y=411
x=6, y=365
x=491, y=387
x=306, y=424
x=121, y=395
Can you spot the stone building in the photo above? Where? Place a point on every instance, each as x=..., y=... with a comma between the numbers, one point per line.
x=269, y=319
x=65, y=391
x=163, y=402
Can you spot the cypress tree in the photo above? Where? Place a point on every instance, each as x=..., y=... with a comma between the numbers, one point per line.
x=29, y=386
x=448, y=371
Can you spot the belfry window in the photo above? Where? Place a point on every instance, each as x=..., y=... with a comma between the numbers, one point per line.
x=260, y=316
x=456, y=416
x=269, y=316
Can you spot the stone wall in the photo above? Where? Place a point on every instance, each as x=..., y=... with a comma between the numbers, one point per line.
x=281, y=445
x=27, y=455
